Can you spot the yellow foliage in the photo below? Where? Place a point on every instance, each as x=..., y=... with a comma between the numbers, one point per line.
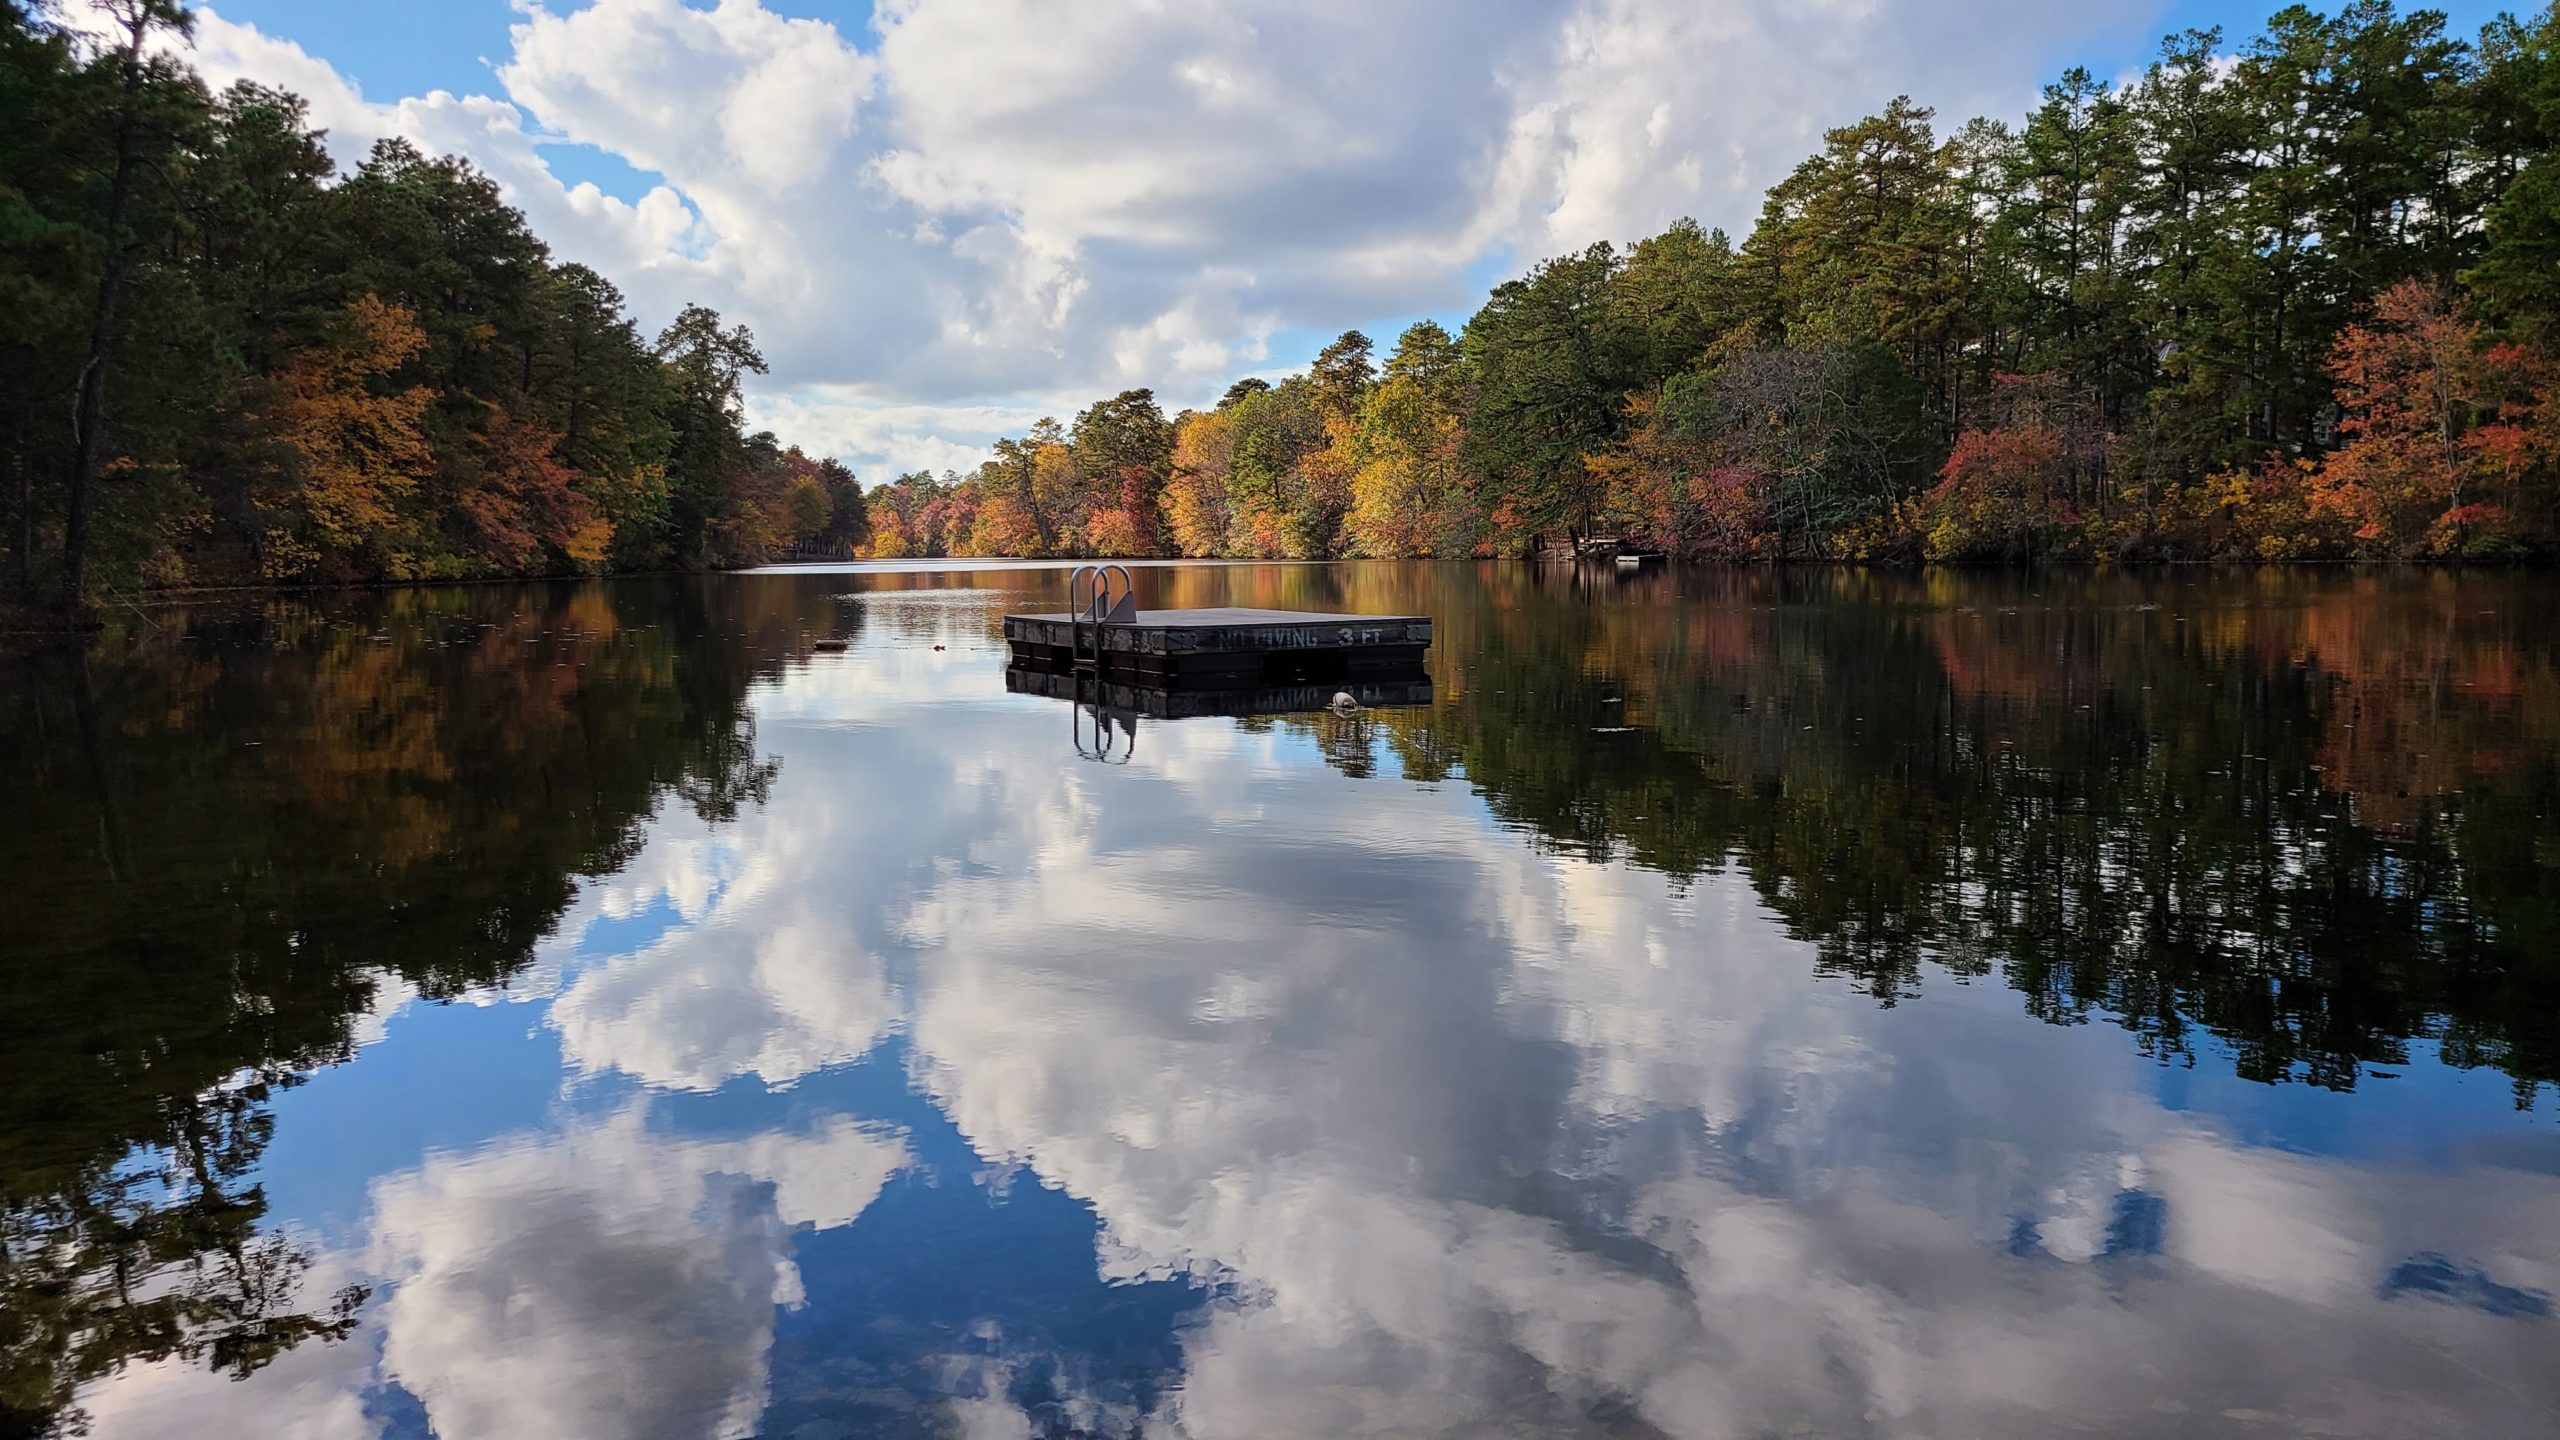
x=1403, y=466
x=889, y=537
x=586, y=545
x=1195, y=500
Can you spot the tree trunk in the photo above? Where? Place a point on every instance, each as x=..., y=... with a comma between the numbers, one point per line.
x=90, y=417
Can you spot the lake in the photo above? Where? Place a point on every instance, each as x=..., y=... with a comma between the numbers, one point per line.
x=1729, y=1003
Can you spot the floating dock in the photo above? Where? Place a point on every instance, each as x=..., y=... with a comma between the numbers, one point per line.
x=1103, y=632
x=1222, y=647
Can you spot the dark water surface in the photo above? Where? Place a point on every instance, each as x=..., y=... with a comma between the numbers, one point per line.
x=1736, y=1005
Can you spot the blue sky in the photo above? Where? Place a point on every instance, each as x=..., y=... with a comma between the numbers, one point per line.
x=392, y=47
x=989, y=210
x=396, y=47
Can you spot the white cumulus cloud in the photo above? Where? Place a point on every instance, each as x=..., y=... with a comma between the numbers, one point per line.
x=1012, y=206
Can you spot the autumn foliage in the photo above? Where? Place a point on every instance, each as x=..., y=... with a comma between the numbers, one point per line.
x=2011, y=487
x=316, y=376
x=523, y=504
x=2442, y=448
x=353, y=440
x=2276, y=298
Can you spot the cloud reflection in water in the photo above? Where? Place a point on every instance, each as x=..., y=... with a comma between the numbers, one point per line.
x=1449, y=1133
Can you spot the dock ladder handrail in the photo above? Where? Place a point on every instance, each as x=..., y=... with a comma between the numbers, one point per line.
x=1091, y=602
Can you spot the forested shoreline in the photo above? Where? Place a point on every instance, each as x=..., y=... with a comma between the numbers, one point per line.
x=222, y=362
x=2294, y=298
x=2291, y=299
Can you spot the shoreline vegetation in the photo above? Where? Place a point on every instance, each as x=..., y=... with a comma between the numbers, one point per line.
x=2294, y=298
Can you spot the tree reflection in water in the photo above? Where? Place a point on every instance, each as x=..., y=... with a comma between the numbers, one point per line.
x=234, y=829
x=2316, y=817
x=2310, y=820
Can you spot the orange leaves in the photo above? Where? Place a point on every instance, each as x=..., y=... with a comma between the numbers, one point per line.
x=944, y=522
x=371, y=339
x=1004, y=526
x=2478, y=531
x=1507, y=530
x=2001, y=496
x=1124, y=525
x=916, y=515
x=1265, y=534
x=2018, y=463
x=358, y=444
x=1133, y=527
x=359, y=454
x=1195, y=499
x=890, y=539
x=1661, y=487
x=1727, y=514
x=1118, y=531
x=2438, y=431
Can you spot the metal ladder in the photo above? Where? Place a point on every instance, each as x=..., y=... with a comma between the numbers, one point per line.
x=1114, y=732
x=1092, y=604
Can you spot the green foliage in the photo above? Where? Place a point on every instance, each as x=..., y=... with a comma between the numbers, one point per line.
x=1273, y=430
x=2177, y=259
x=2168, y=266
x=2517, y=117
x=1409, y=494
x=548, y=436
x=1681, y=290
x=1342, y=373
x=1552, y=358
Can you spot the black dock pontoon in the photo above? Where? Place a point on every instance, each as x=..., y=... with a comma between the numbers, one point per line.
x=1219, y=648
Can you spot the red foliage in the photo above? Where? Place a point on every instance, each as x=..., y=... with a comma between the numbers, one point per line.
x=1724, y=515
x=2438, y=428
x=2010, y=488
x=520, y=501
x=1132, y=527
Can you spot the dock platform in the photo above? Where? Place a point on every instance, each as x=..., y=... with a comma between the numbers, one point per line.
x=1222, y=648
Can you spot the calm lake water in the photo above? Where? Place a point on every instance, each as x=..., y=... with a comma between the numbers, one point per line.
x=1736, y=1004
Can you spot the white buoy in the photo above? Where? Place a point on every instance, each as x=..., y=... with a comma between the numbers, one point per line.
x=1344, y=704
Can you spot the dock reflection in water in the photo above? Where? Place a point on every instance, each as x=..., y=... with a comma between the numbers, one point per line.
x=1722, y=1004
